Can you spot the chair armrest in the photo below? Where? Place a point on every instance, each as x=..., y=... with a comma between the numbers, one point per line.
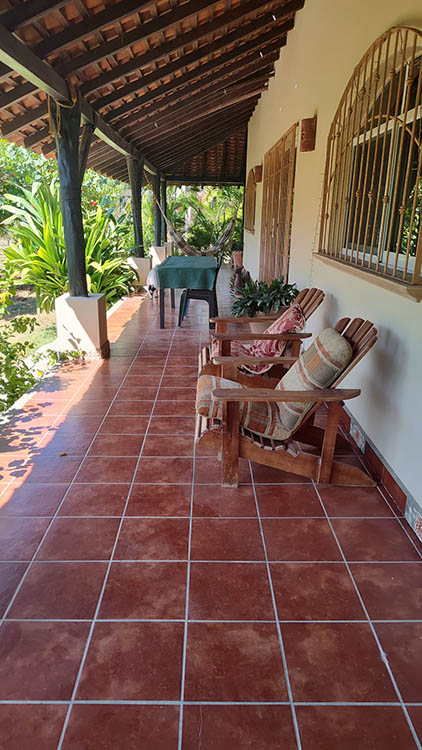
x=261, y=336
x=244, y=319
x=279, y=396
x=254, y=360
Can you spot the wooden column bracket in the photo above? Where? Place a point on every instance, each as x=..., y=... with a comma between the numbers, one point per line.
x=84, y=145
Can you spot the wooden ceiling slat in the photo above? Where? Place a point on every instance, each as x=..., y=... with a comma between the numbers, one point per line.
x=189, y=136
x=184, y=77
x=272, y=36
x=205, y=146
x=178, y=44
x=139, y=34
x=196, y=111
x=214, y=82
x=28, y=12
x=96, y=21
x=24, y=120
x=32, y=140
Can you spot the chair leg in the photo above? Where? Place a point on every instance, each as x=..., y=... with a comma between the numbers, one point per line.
x=186, y=307
x=329, y=442
x=213, y=309
x=230, y=445
x=182, y=307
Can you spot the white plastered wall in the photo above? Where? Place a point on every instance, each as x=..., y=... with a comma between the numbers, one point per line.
x=329, y=38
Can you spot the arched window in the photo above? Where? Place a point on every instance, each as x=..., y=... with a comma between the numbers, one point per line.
x=372, y=206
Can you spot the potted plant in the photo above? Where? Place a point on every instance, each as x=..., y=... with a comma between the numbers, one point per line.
x=259, y=298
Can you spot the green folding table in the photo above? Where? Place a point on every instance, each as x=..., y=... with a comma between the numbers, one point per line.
x=184, y=272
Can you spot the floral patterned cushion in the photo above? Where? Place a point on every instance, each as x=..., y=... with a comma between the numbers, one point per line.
x=291, y=321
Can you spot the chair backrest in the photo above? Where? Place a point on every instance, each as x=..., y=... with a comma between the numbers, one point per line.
x=309, y=300
x=361, y=335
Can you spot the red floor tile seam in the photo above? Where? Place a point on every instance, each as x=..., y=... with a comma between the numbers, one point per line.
x=279, y=633
x=129, y=702
x=11, y=602
x=373, y=630
x=106, y=576
x=231, y=518
x=186, y=619
x=282, y=621
x=200, y=561
x=39, y=442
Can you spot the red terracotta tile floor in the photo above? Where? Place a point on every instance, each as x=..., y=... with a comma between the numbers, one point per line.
x=144, y=606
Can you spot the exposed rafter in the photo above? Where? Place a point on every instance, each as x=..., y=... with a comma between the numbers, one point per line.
x=171, y=81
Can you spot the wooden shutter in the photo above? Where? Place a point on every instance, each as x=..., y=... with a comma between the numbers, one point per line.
x=277, y=204
x=250, y=197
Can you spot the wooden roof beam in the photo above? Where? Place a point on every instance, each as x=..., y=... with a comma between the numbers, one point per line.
x=196, y=110
x=139, y=34
x=200, y=142
x=20, y=58
x=273, y=35
x=210, y=126
x=194, y=151
x=163, y=50
x=200, y=91
x=176, y=180
x=248, y=48
x=88, y=26
x=28, y=12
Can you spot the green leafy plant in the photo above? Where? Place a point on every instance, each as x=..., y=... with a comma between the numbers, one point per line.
x=259, y=297
x=37, y=252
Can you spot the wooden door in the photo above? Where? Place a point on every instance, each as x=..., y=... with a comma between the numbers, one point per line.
x=277, y=204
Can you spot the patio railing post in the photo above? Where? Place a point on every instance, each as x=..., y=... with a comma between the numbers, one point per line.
x=65, y=121
x=157, y=212
x=164, y=206
x=135, y=169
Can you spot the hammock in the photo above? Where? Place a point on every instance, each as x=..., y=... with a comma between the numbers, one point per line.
x=183, y=245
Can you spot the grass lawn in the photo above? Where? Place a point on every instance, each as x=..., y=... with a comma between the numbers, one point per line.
x=24, y=304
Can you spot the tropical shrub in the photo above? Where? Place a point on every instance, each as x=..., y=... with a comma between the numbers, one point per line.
x=259, y=297
x=37, y=252
x=212, y=210
x=19, y=168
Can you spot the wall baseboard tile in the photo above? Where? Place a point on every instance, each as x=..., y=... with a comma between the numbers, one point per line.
x=390, y=482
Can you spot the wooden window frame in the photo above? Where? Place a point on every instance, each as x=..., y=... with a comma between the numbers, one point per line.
x=250, y=202
x=372, y=200
x=277, y=206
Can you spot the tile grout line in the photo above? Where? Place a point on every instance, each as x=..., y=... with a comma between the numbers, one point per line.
x=186, y=626
x=106, y=576
x=52, y=519
x=383, y=655
x=5, y=702
x=211, y=562
x=38, y=444
x=279, y=633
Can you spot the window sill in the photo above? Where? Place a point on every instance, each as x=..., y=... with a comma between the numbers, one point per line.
x=409, y=291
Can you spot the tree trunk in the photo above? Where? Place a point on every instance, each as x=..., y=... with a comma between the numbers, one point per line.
x=66, y=126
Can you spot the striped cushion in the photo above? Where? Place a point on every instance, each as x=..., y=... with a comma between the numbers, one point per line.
x=317, y=367
x=260, y=418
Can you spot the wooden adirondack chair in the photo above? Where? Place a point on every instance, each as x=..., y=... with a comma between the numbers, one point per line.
x=309, y=300
x=231, y=441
